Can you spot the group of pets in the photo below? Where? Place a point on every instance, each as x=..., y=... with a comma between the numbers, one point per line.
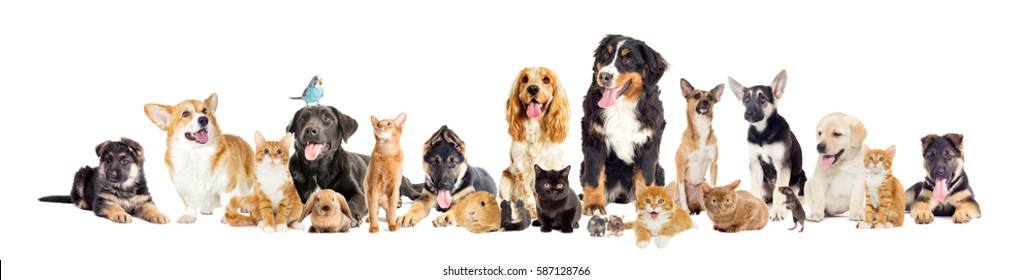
x=621, y=132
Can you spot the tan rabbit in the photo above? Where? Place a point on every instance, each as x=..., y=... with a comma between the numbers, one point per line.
x=478, y=213
x=330, y=212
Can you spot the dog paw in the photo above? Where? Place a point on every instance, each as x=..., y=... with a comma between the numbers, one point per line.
x=777, y=214
x=815, y=217
x=442, y=221
x=187, y=219
x=643, y=244
x=406, y=220
x=924, y=217
x=963, y=216
x=374, y=229
x=392, y=227
x=856, y=217
x=863, y=225
x=268, y=229
x=282, y=228
x=594, y=209
x=157, y=219
x=662, y=241
x=207, y=211
x=122, y=218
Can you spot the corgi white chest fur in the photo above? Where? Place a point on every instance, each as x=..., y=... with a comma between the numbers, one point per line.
x=623, y=130
x=701, y=159
x=192, y=171
x=272, y=177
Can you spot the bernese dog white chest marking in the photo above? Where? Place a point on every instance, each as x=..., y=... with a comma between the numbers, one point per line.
x=623, y=130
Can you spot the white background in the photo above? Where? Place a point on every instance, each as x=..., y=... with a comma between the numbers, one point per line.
x=76, y=74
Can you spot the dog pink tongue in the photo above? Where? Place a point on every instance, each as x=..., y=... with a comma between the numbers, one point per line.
x=534, y=110
x=608, y=98
x=201, y=136
x=826, y=161
x=940, y=191
x=444, y=198
x=312, y=150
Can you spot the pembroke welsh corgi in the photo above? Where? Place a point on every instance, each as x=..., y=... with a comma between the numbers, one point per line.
x=207, y=167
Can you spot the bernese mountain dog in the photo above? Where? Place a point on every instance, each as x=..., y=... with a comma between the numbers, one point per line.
x=623, y=123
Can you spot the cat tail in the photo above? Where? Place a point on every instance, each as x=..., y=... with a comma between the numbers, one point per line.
x=57, y=199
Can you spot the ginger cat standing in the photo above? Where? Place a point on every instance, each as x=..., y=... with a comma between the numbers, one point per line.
x=733, y=211
x=273, y=202
x=886, y=199
x=658, y=216
x=383, y=178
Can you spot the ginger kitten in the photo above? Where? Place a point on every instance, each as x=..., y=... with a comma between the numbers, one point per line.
x=658, y=216
x=885, y=195
x=383, y=178
x=273, y=203
x=733, y=211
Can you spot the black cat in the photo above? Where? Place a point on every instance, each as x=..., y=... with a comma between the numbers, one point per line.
x=523, y=216
x=558, y=206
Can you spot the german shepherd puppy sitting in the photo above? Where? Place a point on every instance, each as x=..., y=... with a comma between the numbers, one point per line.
x=945, y=190
x=449, y=179
x=116, y=189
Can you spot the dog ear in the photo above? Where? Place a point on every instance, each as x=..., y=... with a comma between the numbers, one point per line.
x=160, y=115
x=212, y=102
x=890, y=152
x=686, y=88
x=134, y=147
x=102, y=146
x=293, y=121
x=514, y=108
x=449, y=136
x=859, y=132
x=927, y=140
x=777, y=87
x=345, y=124
x=716, y=92
x=957, y=140
x=558, y=117
x=655, y=66
x=736, y=88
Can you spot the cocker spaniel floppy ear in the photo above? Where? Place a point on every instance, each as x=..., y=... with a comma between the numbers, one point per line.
x=557, y=117
x=514, y=108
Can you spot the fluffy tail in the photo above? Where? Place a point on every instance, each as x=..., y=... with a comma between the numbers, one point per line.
x=57, y=199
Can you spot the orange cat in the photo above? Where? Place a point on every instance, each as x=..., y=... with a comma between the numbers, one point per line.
x=383, y=178
x=273, y=202
x=658, y=216
x=885, y=196
x=733, y=211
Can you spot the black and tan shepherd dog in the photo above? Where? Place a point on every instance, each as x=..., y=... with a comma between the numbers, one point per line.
x=623, y=123
x=945, y=190
x=449, y=178
x=115, y=189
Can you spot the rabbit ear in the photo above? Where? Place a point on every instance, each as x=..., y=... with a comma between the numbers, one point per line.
x=343, y=205
x=308, y=209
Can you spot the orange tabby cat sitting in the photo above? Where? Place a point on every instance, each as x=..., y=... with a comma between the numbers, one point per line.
x=733, y=211
x=885, y=196
x=273, y=203
x=658, y=216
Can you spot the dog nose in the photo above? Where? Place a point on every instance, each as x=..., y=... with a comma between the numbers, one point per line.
x=821, y=147
x=112, y=175
x=532, y=90
x=939, y=172
x=203, y=121
x=749, y=114
x=312, y=131
x=606, y=77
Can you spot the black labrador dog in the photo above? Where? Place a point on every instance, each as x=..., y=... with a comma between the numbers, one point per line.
x=319, y=160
